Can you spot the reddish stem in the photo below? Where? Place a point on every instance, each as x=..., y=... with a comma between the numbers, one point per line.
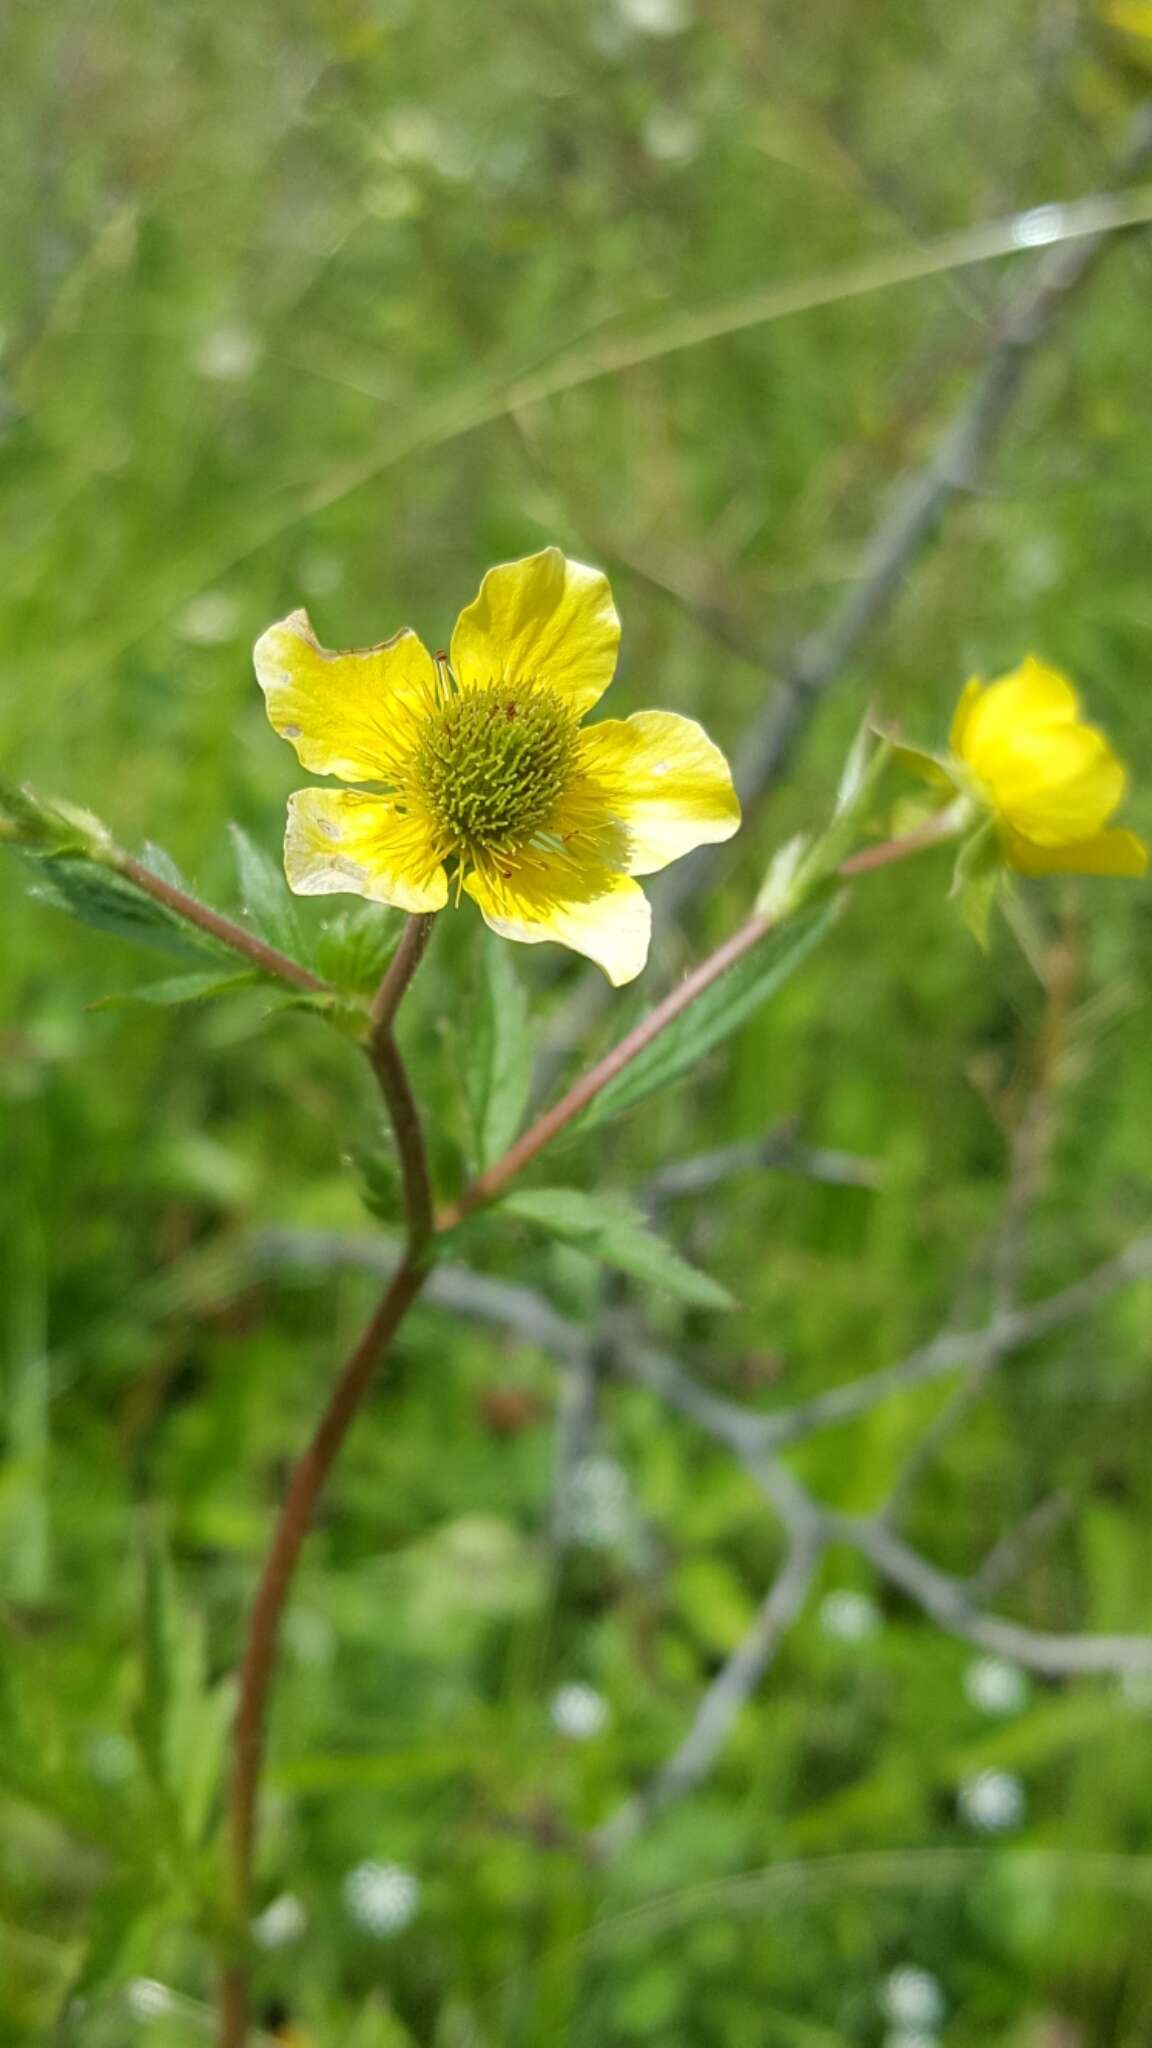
x=295, y=1520
x=312, y=1469
x=496, y=1178
x=490, y=1184
x=235, y=936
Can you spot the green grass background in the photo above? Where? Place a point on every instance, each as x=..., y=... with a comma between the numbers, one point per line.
x=261, y=268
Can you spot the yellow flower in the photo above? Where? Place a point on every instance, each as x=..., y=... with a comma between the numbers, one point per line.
x=1051, y=781
x=1134, y=16
x=478, y=759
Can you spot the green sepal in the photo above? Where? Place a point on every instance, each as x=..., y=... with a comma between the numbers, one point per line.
x=355, y=946
x=977, y=879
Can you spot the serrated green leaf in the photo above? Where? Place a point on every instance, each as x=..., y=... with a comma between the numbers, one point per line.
x=108, y=902
x=265, y=895
x=355, y=946
x=181, y=988
x=715, y=1015
x=497, y=1056
x=609, y=1229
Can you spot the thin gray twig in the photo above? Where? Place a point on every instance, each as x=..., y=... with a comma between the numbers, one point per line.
x=780, y=1151
x=806, y=674
x=728, y=1693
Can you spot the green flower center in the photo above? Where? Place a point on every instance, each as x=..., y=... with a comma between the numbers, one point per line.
x=493, y=761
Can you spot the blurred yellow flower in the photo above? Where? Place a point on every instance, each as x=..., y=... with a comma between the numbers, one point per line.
x=478, y=759
x=1133, y=16
x=1051, y=781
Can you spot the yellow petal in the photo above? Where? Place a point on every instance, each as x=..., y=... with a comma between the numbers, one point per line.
x=1031, y=698
x=1134, y=16
x=972, y=691
x=1050, y=776
x=546, y=893
x=357, y=715
x=1107, y=853
x=543, y=620
x=1055, y=787
x=665, y=781
x=342, y=841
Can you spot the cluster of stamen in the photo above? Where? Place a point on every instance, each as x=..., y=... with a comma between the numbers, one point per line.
x=492, y=762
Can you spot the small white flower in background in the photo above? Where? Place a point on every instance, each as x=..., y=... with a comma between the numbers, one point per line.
x=911, y=2038
x=281, y=1923
x=381, y=1897
x=657, y=17
x=912, y=1998
x=415, y=133
x=210, y=619
x=578, y=1711
x=995, y=1686
x=600, y=1504
x=148, y=2000
x=671, y=136
x=228, y=355
x=848, y=1617
x=993, y=1802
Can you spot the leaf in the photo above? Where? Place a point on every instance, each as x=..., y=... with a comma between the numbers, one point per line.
x=976, y=880
x=181, y=988
x=345, y=1013
x=713, y=1601
x=48, y=824
x=265, y=896
x=497, y=1055
x=611, y=1230
x=921, y=763
x=159, y=862
x=356, y=945
x=714, y=1016
x=378, y=1171
x=377, y=2026
x=108, y=902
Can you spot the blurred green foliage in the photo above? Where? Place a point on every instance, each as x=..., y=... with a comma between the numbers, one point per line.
x=262, y=270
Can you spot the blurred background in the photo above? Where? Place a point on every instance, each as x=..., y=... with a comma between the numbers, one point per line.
x=329, y=303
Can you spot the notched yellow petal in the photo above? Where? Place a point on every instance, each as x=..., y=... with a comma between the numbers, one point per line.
x=1115, y=852
x=544, y=894
x=357, y=714
x=341, y=841
x=544, y=620
x=664, y=780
